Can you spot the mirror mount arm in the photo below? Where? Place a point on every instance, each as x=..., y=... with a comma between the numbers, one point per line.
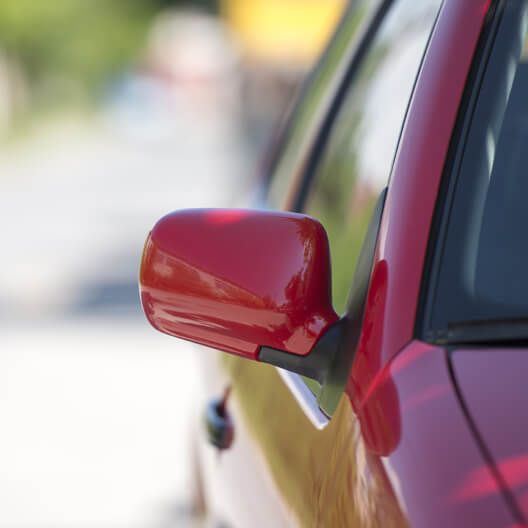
x=318, y=364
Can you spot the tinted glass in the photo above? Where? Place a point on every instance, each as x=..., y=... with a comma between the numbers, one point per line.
x=317, y=95
x=356, y=162
x=482, y=274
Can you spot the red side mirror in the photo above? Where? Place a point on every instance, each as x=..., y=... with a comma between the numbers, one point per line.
x=239, y=281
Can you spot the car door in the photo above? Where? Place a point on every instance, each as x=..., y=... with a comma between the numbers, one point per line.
x=334, y=162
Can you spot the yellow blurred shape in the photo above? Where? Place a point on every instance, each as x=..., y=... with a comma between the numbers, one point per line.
x=282, y=31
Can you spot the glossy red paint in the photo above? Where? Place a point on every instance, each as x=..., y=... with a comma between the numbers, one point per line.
x=237, y=280
x=413, y=417
x=493, y=385
x=400, y=389
x=393, y=298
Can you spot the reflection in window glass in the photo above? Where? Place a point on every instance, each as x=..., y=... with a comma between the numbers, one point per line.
x=317, y=96
x=482, y=274
x=357, y=160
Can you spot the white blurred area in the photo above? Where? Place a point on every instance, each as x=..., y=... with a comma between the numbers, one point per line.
x=95, y=406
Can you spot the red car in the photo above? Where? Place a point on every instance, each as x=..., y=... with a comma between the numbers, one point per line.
x=386, y=308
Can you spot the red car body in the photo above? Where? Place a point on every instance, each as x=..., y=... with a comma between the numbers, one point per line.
x=441, y=436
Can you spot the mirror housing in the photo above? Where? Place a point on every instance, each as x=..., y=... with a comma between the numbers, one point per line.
x=241, y=281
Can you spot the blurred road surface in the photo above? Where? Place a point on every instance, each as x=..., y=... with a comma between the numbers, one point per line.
x=94, y=405
x=95, y=423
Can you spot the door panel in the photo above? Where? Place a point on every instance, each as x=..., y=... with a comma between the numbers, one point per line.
x=412, y=419
x=237, y=483
x=322, y=476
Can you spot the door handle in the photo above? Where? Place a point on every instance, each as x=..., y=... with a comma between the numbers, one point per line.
x=219, y=425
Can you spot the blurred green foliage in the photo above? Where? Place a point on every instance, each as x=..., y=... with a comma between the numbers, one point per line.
x=87, y=40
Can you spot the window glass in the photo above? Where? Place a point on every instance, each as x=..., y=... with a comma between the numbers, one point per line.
x=315, y=99
x=356, y=162
x=483, y=267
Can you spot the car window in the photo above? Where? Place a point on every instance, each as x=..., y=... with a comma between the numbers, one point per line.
x=316, y=96
x=482, y=256
x=356, y=162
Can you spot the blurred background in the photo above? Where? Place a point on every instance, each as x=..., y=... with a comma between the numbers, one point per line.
x=113, y=113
